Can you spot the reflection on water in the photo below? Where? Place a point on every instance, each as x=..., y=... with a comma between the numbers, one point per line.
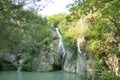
x=17, y=75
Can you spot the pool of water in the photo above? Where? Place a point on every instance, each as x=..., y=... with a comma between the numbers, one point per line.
x=17, y=75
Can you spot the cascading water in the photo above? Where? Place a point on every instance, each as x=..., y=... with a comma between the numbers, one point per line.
x=20, y=65
x=61, y=46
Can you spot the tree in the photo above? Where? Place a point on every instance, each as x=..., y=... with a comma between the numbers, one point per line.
x=13, y=21
x=22, y=32
x=102, y=34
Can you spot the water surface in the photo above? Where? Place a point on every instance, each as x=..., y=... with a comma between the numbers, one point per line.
x=16, y=75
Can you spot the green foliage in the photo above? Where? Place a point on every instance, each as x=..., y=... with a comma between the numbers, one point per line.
x=37, y=28
x=94, y=46
x=102, y=73
x=55, y=19
x=7, y=27
x=72, y=33
x=102, y=24
x=27, y=57
x=17, y=24
x=102, y=33
x=22, y=32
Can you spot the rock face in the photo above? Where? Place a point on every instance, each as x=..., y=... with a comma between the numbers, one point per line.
x=84, y=65
x=78, y=61
x=8, y=62
x=49, y=58
x=70, y=61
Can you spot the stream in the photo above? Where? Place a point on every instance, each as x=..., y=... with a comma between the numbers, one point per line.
x=19, y=75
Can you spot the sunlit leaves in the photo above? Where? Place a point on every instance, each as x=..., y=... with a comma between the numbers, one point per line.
x=17, y=25
x=55, y=19
x=94, y=46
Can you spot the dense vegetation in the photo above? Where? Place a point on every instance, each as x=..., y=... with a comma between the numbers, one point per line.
x=99, y=22
x=103, y=21
x=22, y=32
x=25, y=32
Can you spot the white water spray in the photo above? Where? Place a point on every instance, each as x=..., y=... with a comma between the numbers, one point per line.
x=20, y=65
x=61, y=46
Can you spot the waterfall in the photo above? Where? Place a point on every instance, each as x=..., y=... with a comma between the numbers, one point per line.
x=19, y=65
x=61, y=46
